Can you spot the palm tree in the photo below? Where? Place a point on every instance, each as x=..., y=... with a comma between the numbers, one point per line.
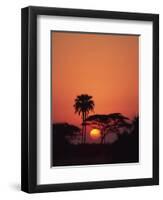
x=83, y=105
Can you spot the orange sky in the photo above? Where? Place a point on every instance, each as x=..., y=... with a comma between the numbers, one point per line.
x=104, y=66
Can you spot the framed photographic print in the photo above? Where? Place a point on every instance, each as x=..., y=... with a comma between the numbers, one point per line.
x=90, y=99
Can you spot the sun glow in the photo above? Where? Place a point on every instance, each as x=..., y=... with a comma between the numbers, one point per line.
x=95, y=133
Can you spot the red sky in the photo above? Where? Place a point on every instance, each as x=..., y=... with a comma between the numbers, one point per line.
x=104, y=66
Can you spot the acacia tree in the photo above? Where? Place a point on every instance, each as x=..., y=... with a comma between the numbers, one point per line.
x=110, y=123
x=83, y=105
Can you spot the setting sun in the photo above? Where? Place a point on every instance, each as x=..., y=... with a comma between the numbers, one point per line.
x=95, y=133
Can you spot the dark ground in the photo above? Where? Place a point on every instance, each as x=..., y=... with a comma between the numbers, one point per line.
x=124, y=150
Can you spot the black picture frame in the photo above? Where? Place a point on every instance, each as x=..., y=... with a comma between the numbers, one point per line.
x=29, y=99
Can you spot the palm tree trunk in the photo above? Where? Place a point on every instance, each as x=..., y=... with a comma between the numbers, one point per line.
x=85, y=128
x=82, y=134
x=85, y=135
x=82, y=128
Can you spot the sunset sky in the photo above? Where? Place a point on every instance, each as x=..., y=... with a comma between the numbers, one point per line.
x=101, y=65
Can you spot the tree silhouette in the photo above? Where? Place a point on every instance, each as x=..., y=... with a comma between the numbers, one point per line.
x=135, y=124
x=64, y=132
x=126, y=148
x=62, y=140
x=110, y=123
x=83, y=105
